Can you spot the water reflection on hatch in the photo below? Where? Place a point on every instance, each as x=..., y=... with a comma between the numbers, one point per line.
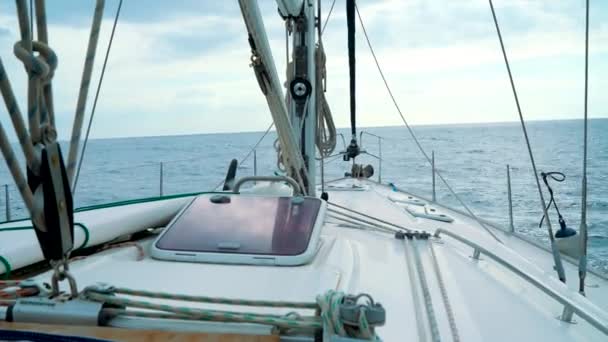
x=233, y=228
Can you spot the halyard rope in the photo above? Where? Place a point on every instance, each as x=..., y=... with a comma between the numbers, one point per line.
x=103, y=71
x=84, y=89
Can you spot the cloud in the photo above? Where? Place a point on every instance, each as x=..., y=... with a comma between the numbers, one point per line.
x=185, y=68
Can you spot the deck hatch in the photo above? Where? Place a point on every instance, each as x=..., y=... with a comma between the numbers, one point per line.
x=244, y=225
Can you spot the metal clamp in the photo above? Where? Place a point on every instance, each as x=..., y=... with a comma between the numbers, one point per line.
x=351, y=309
x=53, y=311
x=61, y=272
x=272, y=179
x=33, y=284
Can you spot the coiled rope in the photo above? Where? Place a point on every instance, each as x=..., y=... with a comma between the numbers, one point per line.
x=326, y=129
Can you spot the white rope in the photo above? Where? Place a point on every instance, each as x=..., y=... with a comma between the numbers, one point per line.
x=17, y=119
x=40, y=68
x=326, y=129
x=47, y=90
x=426, y=292
x=13, y=166
x=444, y=295
x=103, y=71
x=84, y=89
x=413, y=276
x=26, y=50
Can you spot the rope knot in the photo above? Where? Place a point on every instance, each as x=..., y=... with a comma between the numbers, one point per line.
x=40, y=67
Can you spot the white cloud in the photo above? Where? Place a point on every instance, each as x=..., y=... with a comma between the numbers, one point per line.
x=190, y=74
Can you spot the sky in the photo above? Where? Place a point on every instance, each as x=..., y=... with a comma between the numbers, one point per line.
x=182, y=67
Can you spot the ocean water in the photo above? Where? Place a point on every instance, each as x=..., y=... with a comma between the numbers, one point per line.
x=471, y=157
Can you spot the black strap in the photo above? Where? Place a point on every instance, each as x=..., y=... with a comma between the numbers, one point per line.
x=352, y=150
x=558, y=177
x=350, y=19
x=230, y=175
x=34, y=336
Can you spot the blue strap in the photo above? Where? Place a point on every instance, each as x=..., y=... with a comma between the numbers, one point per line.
x=19, y=335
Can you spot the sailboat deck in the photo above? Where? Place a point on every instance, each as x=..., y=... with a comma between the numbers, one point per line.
x=409, y=277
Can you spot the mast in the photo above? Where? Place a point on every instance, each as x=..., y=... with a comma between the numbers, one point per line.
x=310, y=124
x=301, y=79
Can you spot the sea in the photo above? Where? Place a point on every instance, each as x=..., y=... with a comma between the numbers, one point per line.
x=473, y=158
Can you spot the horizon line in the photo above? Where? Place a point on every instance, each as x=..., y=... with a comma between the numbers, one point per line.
x=347, y=127
x=338, y=128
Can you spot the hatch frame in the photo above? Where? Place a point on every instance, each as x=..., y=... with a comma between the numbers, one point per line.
x=261, y=259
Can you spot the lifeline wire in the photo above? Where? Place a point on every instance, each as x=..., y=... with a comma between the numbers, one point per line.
x=328, y=16
x=250, y=151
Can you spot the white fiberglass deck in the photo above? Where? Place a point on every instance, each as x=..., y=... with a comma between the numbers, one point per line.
x=487, y=301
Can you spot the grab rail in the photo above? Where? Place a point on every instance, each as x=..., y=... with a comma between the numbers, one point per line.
x=601, y=323
x=273, y=179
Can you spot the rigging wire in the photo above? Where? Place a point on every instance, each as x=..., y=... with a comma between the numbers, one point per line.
x=328, y=16
x=582, y=264
x=250, y=151
x=103, y=70
x=556, y=256
x=411, y=131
